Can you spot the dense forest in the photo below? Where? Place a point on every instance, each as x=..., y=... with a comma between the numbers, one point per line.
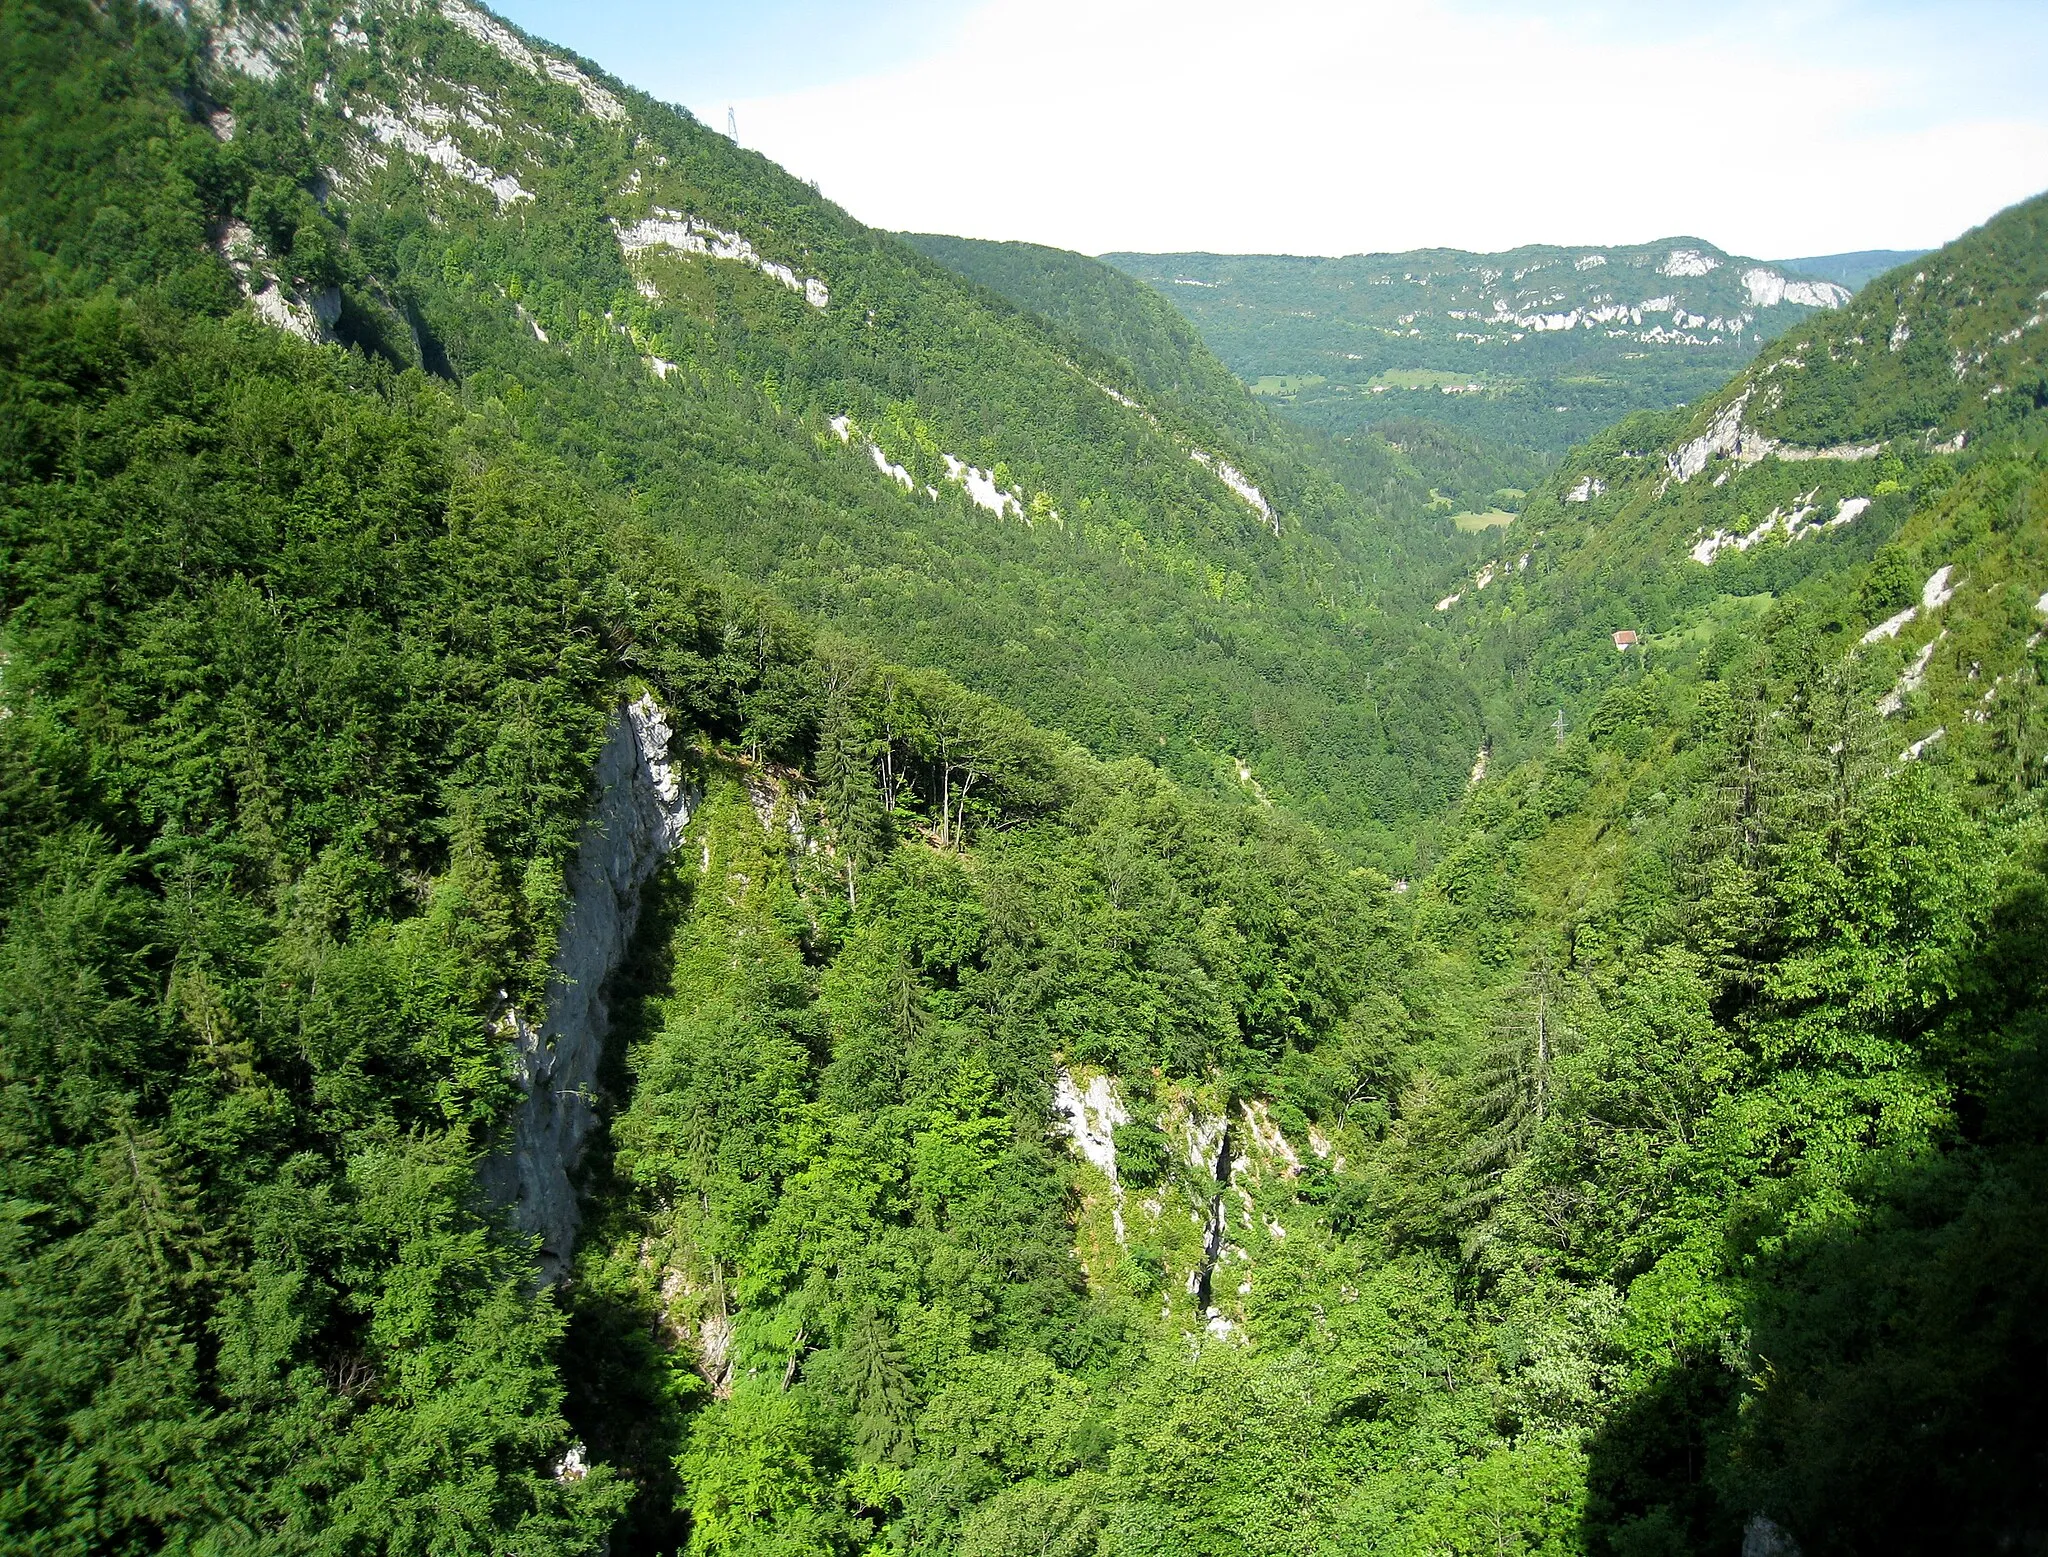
x=1413, y=465
x=673, y=893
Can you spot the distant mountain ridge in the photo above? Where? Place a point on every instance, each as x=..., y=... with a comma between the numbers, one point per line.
x=1538, y=346
x=1852, y=269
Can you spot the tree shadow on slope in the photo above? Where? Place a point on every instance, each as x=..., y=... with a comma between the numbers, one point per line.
x=1897, y=1389
x=618, y=1368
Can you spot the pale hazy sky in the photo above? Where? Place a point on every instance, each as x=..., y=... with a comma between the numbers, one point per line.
x=1327, y=127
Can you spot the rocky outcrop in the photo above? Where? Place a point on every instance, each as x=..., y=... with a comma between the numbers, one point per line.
x=1092, y=1115
x=1728, y=438
x=1216, y=1226
x=1764, y=1537
x=309, y=313
x=642, y=806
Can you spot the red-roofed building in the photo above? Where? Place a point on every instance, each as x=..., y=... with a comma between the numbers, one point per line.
x=1625, y=639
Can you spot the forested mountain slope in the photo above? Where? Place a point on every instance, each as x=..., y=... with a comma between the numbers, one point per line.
x=517, y=1037
x=1535, y=348
x=1801, y=474
x=1777, y=881
x=808, y=401
x=1412, y=469
x=1110, y=311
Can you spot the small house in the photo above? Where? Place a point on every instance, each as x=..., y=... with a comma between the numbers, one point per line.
x=1625, y=639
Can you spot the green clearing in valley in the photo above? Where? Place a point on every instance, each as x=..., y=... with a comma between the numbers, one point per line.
x=1426, y=378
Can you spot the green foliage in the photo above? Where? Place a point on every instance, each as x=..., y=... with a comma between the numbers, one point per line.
x=1109, y=313
x=1142, y=1154
x=1665, y=1153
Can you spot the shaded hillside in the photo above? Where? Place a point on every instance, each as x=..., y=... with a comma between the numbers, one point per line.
x=811, y=402
x=1111, y=312
x=1776, y=871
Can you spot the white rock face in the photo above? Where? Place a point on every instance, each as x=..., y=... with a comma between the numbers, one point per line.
x=311, y=319
x=493, y=34
x=310, y=316
x=1910, y=679
x=1891, y=625
x=641, y=810
x=1688, y=262
x=1912, y=752
x=1209, y=1152
x=1937, y=591
x=1723, y=436
x=1118, y=396
x=981, y=487
x=1204, y=1142
x=1588, y=488
x=1728, y=438
x=392, y=130
x=1796, y=525
x=896, y=472
x=1239, y=483
x=1092, y=1115
x=250, y=46
x=685, y=234
x=1267, y=1135
x=1849, y=452
x=1762, y=1537
x=1767, y=289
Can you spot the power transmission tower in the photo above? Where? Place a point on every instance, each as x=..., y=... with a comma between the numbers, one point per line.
x=732, y=125
x=1557, y=724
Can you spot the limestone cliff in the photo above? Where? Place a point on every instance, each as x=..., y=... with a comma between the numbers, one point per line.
x=642, y=805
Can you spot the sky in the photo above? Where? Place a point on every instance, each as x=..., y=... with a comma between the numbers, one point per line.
x=1345, y=126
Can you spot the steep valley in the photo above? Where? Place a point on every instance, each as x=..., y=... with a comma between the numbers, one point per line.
x=677, y=876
